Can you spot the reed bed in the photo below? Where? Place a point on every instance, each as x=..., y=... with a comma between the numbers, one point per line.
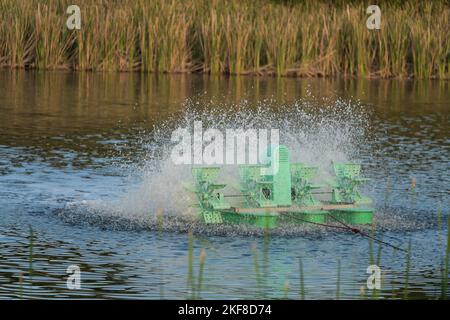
x=284, y=38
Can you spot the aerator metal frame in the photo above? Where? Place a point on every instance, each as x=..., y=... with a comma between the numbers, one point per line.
x=286, y=193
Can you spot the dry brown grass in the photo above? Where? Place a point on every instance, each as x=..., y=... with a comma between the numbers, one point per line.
x=307, y=38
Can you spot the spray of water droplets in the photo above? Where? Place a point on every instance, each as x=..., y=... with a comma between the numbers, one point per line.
x=316, y=131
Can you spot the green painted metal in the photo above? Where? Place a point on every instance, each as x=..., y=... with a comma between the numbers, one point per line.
x=315, y=216
x=264, y=220
x=212, y=216
x=268, y=185
x=257, y=189
x=302, y=195
x=302, y=187
x=345, y=190
x=209, y=200
x=281, y=176
x=289, y=185
x=345, y=186
x=353, y=216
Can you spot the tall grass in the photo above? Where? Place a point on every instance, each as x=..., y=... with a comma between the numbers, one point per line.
x=444, y=282
x=30, y=255
x=200, y=272
x=190, y=276
x=257, y=270
x=284, y=38
x=387, y=192
x=338, y=280
x=407, y=272
x=53, y=46
x=302, y=280
x=286, y=290
x=160, y=221
x=195, y=285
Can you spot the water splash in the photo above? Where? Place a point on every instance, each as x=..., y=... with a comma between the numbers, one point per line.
x=316, y=131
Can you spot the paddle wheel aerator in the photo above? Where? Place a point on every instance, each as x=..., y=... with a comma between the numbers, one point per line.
x=287, y=194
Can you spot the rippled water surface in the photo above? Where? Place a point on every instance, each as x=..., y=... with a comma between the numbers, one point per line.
x=83, y=170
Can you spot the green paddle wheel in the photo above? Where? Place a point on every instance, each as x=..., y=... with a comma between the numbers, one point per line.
x=302, y=193
x=209, y=200
x=282, y=190
x=264, y=189
x=345, y=190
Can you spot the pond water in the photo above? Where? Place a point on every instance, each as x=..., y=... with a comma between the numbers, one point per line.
x=84, y=168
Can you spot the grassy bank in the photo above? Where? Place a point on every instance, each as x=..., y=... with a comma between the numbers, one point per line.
x=287, y=38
